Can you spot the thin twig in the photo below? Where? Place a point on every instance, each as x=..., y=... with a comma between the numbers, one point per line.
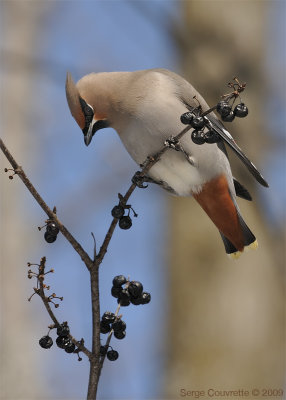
x=19, y=171
x=41, y=293
x=147, y=165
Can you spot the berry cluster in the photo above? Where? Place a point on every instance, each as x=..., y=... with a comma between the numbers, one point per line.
x=227, y=114
x=203, y=130
x=125, y=222
x=131, y=293
x=52, y=231
x=118, y=211
x=63, y=340
x=112, y=323
x=199, y=122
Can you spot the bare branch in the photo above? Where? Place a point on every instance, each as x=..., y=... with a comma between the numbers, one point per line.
x=19, y=171
x=96, y=363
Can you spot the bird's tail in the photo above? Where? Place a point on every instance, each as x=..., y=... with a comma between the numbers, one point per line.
x=250, y=241
x=217, y=201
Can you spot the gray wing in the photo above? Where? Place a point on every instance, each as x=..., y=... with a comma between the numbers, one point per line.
x=186, y=93
x=226, y=136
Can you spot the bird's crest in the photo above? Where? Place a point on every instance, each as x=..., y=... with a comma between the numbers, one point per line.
x=73, y=99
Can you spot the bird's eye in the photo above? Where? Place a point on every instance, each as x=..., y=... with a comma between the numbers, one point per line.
x=88, y=111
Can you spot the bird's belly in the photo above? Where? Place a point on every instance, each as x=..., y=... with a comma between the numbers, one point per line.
x=176, y=174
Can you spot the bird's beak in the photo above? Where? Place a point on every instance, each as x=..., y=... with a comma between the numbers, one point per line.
x=94, y=127
x=89, y=134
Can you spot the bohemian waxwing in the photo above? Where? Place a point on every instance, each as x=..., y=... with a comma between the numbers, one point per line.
x=145, y=107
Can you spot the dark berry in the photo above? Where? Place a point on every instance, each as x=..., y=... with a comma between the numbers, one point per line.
x=119, y=334
x=103, y=350
x=198, y=122
x=211, y=136
x=125, y=222
x=62, y=341
x=136, y=300
x=104, y=327
x=117, y=211
x=112, y=355
x=115, y=291
x=108, y=317
x=187, y=117
x=124, y=302
x=46, y=342
x=119, y=280
x=70, y=347
x=63, y=329
x=49, y=237
x=198, y=137
x=135, y=288
x=119, y=325
x=229, y=117
x=240, y=110
x=124, y=298
x=146, y=298
x=223, y=108
x=52, y=228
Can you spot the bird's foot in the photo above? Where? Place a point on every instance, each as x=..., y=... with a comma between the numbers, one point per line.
x=173, y=143
x=139, y=180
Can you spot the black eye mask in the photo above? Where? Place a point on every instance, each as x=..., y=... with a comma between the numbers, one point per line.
x=88, y=114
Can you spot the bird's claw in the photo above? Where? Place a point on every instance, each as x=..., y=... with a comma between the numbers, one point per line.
x=139, y=180
x=173, y=143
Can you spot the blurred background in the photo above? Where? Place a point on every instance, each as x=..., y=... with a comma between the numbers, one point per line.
x=212, y=322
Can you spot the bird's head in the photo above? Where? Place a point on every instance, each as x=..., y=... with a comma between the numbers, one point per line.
x=89, y=116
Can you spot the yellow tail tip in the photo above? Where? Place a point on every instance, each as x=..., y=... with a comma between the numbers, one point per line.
x=253, y=245
x=237, y=254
